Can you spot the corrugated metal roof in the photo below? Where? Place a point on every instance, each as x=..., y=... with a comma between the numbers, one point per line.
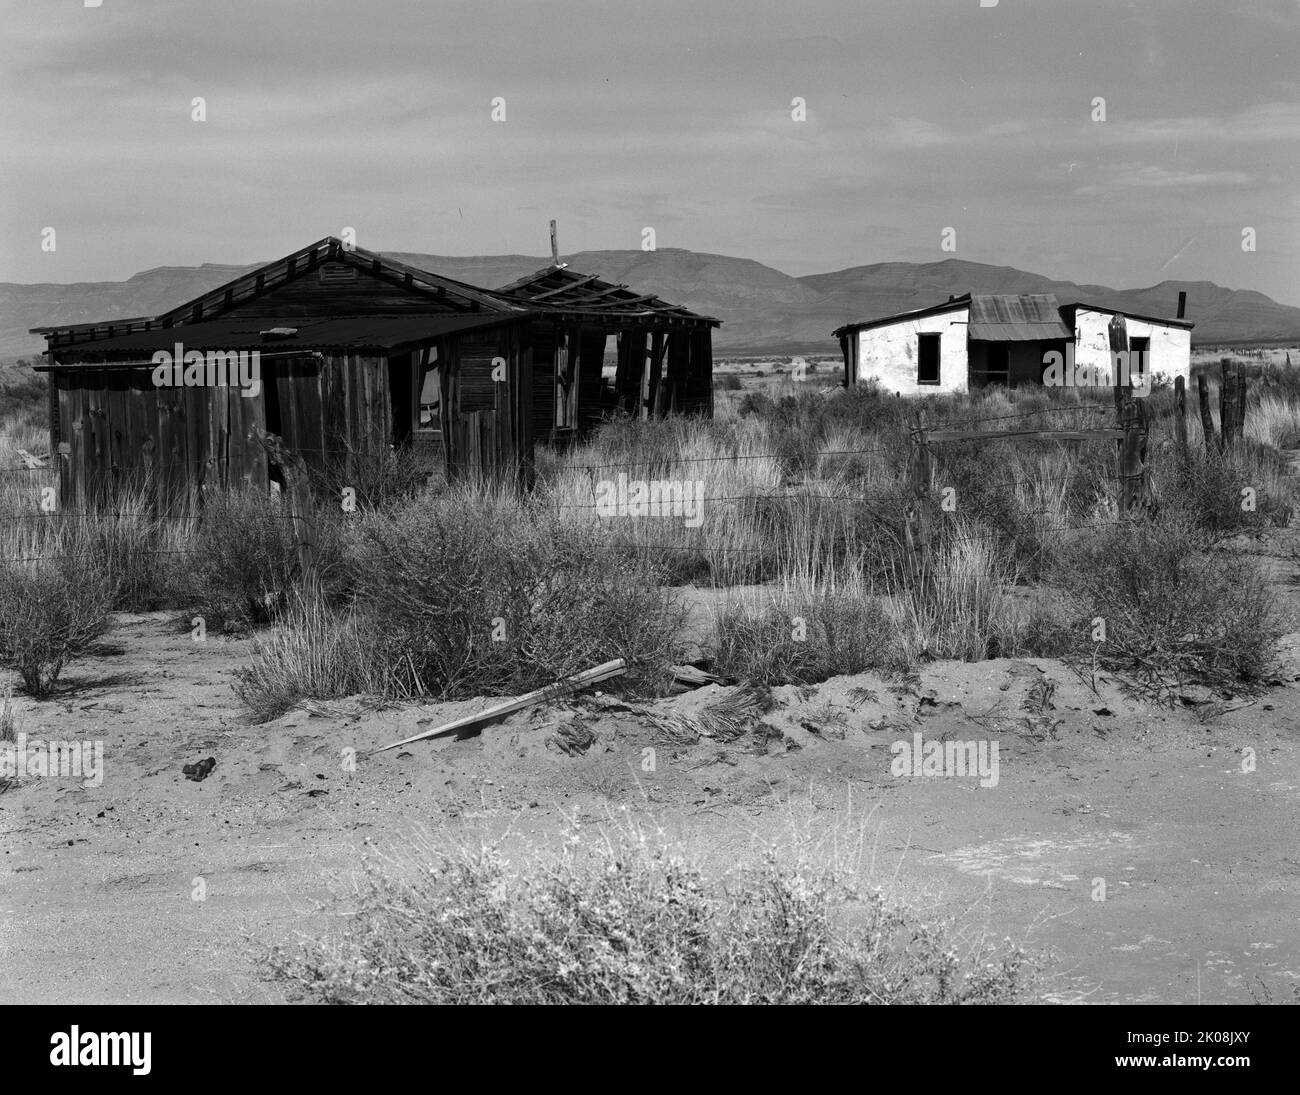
x=1024, y=317
x=311, y=333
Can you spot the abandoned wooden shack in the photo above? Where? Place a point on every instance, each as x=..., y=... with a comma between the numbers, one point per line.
x=345, y=355
x=664, y=352
x=340, y=352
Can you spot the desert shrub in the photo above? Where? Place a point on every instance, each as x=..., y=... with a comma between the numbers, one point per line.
x=729, y=382
x=24, y=394
x=245, y=558
x=462, y=595
x=1206, y=488
x=50, y=614
x=842, y=632
x=1173, y=612
x=1044, y=632
x=479, y=595
x=380, y=480
x=617, y=922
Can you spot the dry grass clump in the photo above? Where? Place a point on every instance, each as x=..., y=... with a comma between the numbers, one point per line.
x=620, y=921
x=808, y=632
x=963, y=612
x=314, y=652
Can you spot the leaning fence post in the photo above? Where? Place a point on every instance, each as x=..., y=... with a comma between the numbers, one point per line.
x=1241, y=407
x=917, y=527
x=1128, y=445
x=1180, y=415
x=298, y=494
x=1207, y=420
x=1131, y=486
x=1227, y=406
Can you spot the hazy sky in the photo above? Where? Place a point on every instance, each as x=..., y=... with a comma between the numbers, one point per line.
x=675, y=114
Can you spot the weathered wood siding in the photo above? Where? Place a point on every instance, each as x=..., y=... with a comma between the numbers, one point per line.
x=116, y=430
x=695, y=395
x=545, y=339
x=590, y=383
x=487, y=424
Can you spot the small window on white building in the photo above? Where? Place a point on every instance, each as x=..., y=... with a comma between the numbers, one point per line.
x=1139, y=359
x=927, y=359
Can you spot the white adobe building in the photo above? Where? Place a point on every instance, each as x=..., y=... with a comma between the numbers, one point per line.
x=979, y=339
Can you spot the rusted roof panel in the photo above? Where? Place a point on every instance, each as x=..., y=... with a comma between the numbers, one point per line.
x=1008, y=317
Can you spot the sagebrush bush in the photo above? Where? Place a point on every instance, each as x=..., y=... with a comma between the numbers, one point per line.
x=458, y=595
x=50, y=614
x=1207, y=488
x=510, y=599
x=380, y=480
x=616, y=921
x=1174, y=613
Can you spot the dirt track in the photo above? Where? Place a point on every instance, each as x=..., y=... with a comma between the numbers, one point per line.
x=1200, y=861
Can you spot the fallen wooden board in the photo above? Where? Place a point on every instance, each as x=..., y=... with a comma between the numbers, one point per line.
x=570, y=684
x=689, y=674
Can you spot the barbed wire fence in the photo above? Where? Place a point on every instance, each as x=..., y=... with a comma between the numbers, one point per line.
x=903, y=452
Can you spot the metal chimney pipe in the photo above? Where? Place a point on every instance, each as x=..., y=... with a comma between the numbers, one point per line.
x=1182, y=305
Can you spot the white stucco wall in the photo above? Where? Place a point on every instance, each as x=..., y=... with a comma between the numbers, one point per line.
x=888, y=353
x=1171, y=347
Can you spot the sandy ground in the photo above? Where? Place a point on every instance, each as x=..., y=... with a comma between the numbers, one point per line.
x=150, y=886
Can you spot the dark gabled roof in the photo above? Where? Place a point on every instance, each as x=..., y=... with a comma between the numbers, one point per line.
x=1069, y=309
x=950, y=304
x=212, y=304
x=375, y=332
x=1016, y=317
x=559, y=291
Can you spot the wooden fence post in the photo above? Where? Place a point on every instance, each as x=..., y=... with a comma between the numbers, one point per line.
x=298, y=495
x=917, y=527
x=1207, y=419
x=1227, y=406
x=1180, y=416
x=1129, y=459
x=1241, y=407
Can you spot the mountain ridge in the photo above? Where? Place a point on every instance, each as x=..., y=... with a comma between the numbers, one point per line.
x=763, y=309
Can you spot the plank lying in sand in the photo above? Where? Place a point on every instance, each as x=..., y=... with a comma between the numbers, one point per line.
x=551, y=691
